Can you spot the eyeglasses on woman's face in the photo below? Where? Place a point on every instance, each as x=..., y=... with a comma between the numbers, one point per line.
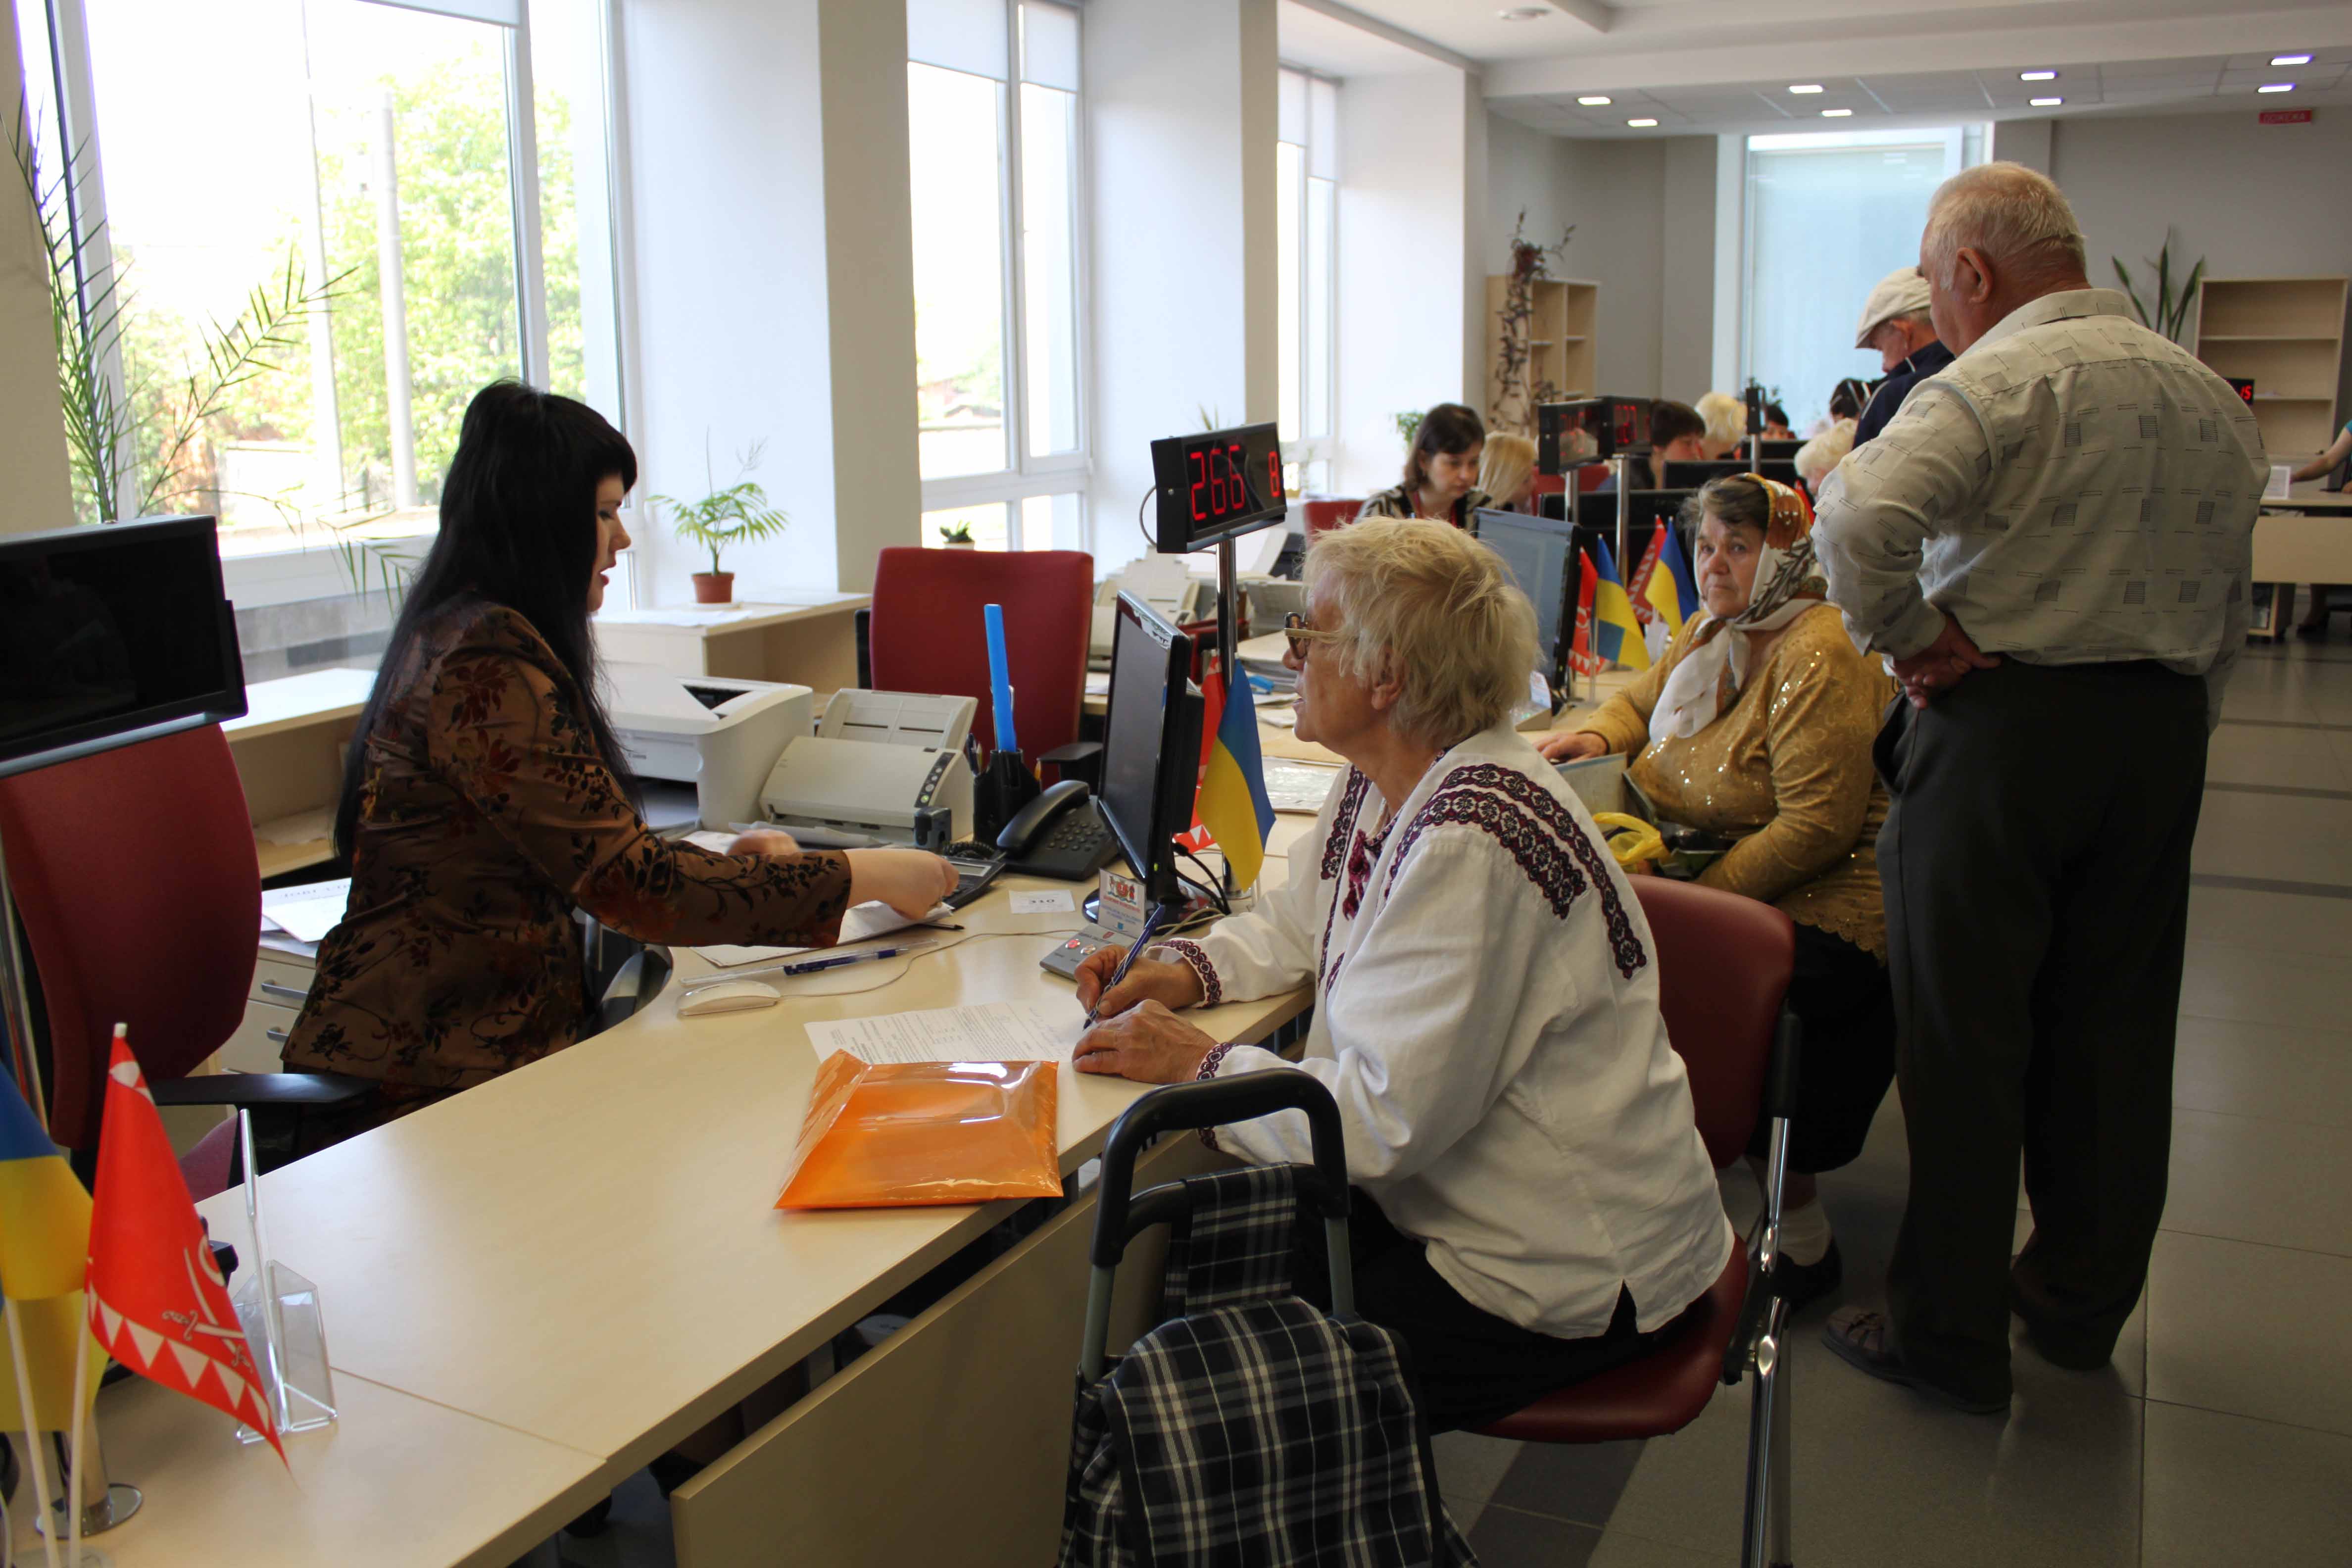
x=1303, y=634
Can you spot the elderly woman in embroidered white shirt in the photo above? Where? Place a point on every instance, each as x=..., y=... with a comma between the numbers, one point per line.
x=1487, y=998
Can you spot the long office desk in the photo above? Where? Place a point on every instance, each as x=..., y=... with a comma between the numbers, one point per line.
x=536, y=1287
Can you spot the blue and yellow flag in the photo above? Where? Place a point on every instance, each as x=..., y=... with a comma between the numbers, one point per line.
x=1677, y=602
x=1232, y=803
x=43, y=1213
x=1616, y=631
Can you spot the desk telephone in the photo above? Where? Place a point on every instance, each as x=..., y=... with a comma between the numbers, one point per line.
x=1059, y=834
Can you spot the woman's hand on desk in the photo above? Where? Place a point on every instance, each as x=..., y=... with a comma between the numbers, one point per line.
x=765, y=841
x=1173, y=985
x=1570, y=745
x=909, y=880
x=1147, y=1043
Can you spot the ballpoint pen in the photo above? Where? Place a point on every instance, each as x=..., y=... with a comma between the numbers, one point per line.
x=811, y=965
x=1151, y=923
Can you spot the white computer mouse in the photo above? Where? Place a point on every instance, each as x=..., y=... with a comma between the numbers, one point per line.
x=727, y=996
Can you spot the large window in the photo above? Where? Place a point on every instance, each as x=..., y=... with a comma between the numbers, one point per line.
x=303, y=233
x=1827, y=217
x=1307, y=202
x=993, y=123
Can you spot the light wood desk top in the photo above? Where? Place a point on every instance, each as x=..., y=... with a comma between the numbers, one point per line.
x=320, y=697
x=736, y=618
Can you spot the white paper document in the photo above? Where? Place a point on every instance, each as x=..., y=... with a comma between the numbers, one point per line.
x=308, y=911
x=988, y=1032
x=863, y=922
x=1051, y=902
x=1297, y=787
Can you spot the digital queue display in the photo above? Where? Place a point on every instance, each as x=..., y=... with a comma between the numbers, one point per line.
x=1217, y=485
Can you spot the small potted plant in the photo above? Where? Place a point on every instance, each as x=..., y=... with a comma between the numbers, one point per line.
x=955, y=536
x=740, y=514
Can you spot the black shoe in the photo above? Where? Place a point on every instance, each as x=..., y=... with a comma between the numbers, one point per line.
x=1802, y=1284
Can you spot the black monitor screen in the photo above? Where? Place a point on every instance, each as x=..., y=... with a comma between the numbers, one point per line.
x=111, y=633
x=1539, y=553
x=1151, y=743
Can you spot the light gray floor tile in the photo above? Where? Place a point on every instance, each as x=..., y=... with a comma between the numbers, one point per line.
x=1469, y=1467
x=1507, y=1538
x=2277, y=923
x=2223, y=1488
x=1882, y=1477
x=2244, y=754
x=2293, y=989
x=2288, y=838
x=2248, y=1331
x=2239, y=1069
x=1621, y=1549
x=2252, y=1178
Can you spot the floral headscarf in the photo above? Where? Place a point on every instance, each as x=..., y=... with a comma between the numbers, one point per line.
x=1714, y=665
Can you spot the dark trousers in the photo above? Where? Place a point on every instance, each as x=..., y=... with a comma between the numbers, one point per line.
x=1469, y=1366
x=2036, y=870
x=1841, y=996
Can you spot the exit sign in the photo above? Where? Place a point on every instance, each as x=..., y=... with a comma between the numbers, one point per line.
x=2286, y=117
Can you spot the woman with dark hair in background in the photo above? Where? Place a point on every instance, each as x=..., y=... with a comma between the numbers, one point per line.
x=482, y=800
x=1441, y=472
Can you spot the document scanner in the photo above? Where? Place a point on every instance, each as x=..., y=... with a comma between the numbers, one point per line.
x=718, y=734
x=883, y=766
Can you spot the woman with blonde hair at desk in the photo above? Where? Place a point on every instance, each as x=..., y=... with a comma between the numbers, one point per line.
x=1757, y=728
x=1726, y=424
x=1536, y=1203
x=1507, y=471
x=482, y=801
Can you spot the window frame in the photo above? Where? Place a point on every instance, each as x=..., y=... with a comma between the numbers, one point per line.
x=316, y=570
x=1059, y=473
x=1307, y=449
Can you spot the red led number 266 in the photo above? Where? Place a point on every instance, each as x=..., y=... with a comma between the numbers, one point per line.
x=1218, y=471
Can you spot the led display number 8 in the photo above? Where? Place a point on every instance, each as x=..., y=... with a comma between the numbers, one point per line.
x=1218, y=470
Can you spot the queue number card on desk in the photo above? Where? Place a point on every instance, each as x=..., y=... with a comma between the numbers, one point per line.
x=985, y=1032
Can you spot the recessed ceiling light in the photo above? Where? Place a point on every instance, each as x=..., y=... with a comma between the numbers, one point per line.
x=2037, y=76
x=2045, y=102
x=1596, y=100
x=1835, y=113
x=2277, y=87
x=1805, y=87
x=1524, y=12
x=1641, y=124
x=2290, y=59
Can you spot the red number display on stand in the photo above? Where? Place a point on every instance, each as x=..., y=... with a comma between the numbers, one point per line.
x=1200, y=482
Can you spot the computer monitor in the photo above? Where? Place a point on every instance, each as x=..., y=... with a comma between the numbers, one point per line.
x=1541, y=555
x=112, y=636
x=1152, y=745
x=1689, y=476
x=1778, y=448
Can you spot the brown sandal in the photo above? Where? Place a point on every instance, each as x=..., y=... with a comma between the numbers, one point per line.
x=1866, y=1339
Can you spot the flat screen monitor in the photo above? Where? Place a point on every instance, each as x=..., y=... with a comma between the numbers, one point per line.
x=1152, y=745
x=1689, y=476
x=1217, y=485
x=111, y=636
x=1778, y=449
x=1541, y=555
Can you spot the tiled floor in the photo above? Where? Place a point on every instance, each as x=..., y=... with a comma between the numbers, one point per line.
x=2224, y=1432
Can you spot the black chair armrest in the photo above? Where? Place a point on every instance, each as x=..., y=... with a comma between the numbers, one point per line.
x=261, y=1088
x=1780, y=1072
x=638, y=982
x=861, y=626
x=1078, y=760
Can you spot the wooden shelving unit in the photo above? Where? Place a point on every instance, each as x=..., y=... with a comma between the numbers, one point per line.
x=2287, y=334
x=1561, y=342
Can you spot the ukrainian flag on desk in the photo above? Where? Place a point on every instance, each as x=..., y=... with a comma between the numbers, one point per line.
x=1616, y=632
x=1231, y=802
x=44, y=1255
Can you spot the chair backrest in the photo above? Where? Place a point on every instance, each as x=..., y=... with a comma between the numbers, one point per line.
x=136, y=875
x=1327, y=512
x=1724, y=963
x=928, y=633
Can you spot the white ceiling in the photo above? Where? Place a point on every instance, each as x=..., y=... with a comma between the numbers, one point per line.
x=1723, y=65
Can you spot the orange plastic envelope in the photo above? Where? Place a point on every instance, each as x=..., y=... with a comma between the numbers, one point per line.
x=925, y=1132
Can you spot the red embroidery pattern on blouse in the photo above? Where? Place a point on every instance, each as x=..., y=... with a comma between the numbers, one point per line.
x=1542, y=836
x=1343, y=823
x=1193, y=957
x=1361, y=858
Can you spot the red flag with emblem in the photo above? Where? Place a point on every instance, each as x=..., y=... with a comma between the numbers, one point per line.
x=157, y=1302
x=1580, y=657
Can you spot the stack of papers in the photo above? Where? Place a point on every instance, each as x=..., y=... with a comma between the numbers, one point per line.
x=988, y=1032
x=308, y=913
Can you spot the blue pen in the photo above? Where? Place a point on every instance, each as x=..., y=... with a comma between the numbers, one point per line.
x=842, y=960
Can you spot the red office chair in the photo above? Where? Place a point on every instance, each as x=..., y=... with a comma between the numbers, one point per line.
x=1327, y=512
x=134, y=873
x=1723, y=969
x=1590, y=478
x=927, y=634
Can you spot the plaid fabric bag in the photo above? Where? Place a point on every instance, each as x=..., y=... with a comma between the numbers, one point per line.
x=1253, y=1429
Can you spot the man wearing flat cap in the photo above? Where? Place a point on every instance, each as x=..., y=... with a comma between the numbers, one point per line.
x=1896, y=324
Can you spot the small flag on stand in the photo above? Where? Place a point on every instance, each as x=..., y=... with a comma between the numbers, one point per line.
x=1231, y=802
x=1580, y=657
x=1658, y=590
x=1617, y=634
x=156, y=1299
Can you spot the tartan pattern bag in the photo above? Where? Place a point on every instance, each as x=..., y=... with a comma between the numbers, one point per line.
x=1253, y=1429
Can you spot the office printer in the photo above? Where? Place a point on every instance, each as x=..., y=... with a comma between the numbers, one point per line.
x=718, y=734
x=883, y=765
x=1166, y=583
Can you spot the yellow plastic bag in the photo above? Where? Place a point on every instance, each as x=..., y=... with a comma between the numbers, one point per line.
x=1635, y=843
x=925, y=1132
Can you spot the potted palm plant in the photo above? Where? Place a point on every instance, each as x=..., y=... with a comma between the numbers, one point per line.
x=955, y=536
x=739, y=514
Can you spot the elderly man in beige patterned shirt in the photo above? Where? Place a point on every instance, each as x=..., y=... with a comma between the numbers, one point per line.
x=2051, y=545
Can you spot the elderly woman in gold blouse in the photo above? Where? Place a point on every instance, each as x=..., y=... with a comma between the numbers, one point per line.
x=1756, y=727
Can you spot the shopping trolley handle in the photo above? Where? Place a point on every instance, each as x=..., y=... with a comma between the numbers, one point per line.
x=1217, y=1102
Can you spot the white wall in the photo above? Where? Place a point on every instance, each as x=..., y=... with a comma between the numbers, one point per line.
x=1171, y=92
x=1686, y=251
x=32, y=425
x=1407, y=262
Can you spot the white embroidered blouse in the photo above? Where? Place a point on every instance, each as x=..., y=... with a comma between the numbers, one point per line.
x=1487, y=1018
